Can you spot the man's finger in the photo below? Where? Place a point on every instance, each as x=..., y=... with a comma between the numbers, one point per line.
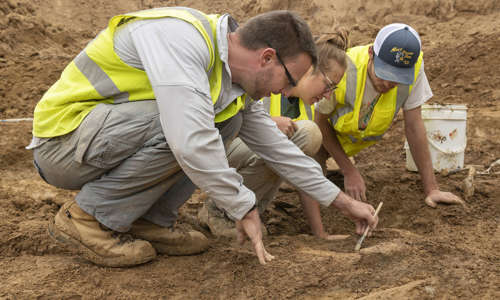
x=455, y=199
x=359, y=228
x=363, y=196
x=358, y=195
x=268, y=256
x=260, y=251
x=351, y=192
x=428, y=200
x=371, y=221
x=262, y=260
x=240, y=233
x=452, y=199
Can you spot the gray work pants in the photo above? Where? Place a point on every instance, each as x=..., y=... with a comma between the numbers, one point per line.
x=119, y=159
x=257, y=176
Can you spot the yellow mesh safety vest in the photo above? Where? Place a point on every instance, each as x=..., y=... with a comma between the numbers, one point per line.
x=349, y=96
x=273, y=106
x=98, y=75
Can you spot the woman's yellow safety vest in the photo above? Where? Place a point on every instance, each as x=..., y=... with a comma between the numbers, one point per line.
x=98, y=75
x=349, y=96
x=273, y=106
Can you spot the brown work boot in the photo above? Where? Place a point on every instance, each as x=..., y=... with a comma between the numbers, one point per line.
x=95, y=242
x=217, y=222
x=177, y=240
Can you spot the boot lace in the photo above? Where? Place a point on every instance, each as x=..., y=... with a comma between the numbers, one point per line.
x=122, y=237
x=180, y=228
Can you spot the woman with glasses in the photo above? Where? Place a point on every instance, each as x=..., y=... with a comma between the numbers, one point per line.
x=294, y=115
x=317, y=83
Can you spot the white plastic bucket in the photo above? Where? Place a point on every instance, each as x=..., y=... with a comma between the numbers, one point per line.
x=445, y=125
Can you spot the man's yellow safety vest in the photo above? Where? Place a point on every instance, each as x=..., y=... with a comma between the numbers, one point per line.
x=274, y=107
x=349, y=96
x=98, y=75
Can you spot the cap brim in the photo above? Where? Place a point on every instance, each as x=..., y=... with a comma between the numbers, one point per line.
x=385, y=71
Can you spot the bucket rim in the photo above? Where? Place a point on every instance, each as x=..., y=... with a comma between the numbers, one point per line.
x=445, y=106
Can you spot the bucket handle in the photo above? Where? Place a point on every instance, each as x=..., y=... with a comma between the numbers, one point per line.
x=449, y=152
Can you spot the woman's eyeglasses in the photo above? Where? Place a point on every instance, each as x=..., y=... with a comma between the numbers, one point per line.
x=330, y=86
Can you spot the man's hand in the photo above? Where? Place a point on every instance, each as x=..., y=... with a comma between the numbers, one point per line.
x=437, y=196
x=249, y=227
x=359, y=212
x=354, y=185
x=286, y=125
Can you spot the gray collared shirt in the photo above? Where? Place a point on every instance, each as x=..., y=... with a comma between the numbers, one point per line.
x=175, y=57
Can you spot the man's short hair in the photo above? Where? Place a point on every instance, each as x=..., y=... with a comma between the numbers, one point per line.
x=282, y=30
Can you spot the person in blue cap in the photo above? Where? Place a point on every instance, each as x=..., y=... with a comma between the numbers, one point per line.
x=381, y=78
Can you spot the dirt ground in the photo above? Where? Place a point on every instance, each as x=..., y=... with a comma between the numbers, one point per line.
x=416, y=252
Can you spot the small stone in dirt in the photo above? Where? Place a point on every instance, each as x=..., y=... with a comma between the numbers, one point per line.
x=430, y=290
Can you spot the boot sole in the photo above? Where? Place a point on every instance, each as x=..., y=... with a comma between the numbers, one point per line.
x=181, y=250
x=65, y=239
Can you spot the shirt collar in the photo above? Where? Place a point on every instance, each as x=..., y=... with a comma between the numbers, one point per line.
x=225, y=25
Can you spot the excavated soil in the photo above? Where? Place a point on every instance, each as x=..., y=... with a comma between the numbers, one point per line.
x=416, y=252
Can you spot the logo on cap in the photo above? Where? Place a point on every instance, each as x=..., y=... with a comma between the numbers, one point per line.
x=402, y=56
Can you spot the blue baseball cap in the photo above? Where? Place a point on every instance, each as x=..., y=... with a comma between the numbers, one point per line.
x=396, y=50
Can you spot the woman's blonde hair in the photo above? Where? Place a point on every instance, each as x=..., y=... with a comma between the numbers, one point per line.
x=332, y=46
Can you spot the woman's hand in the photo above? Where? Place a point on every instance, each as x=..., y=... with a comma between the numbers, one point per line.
x=354, y=185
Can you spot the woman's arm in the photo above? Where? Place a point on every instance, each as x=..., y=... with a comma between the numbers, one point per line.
x=354, y=184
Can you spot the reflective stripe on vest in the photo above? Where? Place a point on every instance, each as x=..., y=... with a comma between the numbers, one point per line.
x=97, y=75
x=345, y=118
x=309, y=111
x=273, y=106
x=103, y=84
x=99, y=79
x=351, y=75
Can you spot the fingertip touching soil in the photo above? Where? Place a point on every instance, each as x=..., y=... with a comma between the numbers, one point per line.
x=416, y=252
